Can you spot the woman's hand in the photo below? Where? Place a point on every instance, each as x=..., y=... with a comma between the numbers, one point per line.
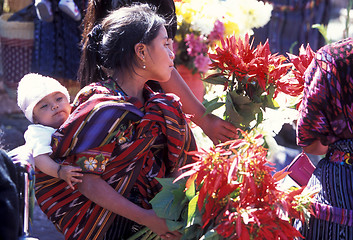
x=217, y=129
x=159, y=226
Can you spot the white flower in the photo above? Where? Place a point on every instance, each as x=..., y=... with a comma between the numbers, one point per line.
x=248, y=14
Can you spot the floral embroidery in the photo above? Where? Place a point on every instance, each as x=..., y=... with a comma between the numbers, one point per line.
x=347, y=158
x=94, y=163
x=104, y=163
x=91, y=164
x=341, y=158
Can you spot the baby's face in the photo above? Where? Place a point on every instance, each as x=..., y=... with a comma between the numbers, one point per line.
x=52, y=110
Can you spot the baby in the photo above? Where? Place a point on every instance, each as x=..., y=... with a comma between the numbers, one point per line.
x=45, y=103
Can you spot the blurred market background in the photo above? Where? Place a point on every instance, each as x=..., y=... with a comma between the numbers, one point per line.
x=23, y=48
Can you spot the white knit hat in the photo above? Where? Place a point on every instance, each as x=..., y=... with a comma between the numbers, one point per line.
x=34, y=87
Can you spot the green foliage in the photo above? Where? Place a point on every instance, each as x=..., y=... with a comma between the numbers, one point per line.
x=323, y=30
x=179, y=207
x=169, y=203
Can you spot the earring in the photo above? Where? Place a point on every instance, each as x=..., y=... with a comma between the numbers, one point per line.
x=144, y=65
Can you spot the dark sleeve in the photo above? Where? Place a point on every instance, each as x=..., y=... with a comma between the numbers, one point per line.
x=9, y=203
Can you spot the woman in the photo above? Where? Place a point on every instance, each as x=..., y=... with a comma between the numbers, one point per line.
x=214, y=127
x=121, y=133
x=325, y=126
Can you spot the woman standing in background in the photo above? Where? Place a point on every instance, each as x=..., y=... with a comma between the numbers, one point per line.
x=325, y=126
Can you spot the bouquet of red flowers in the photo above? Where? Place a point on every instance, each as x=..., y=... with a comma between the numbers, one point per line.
x=253, y=77
x=230, y=193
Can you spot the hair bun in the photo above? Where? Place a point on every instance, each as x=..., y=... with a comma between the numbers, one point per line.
x=95, y=37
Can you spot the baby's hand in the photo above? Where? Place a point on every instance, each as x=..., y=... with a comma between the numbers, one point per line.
x=70, y=175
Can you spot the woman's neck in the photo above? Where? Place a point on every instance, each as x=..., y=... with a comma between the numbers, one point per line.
x=132, y=85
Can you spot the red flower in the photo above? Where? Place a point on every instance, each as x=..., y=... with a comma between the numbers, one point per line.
x=293, y=83
x=258, y=66
x=238, y=196
x=233, y=57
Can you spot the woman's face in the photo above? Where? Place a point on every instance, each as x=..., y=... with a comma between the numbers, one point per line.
x=160, y=57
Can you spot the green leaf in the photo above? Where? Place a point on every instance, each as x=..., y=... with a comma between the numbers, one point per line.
x=174, y=225
x=217, y=79
x=192, y=211
x=208, y=103
x=211, y=235
x=213, y=107
x=167, y=182
x=267, y=99
x=232, y=114
x=323, y=30
x=180, y=199
x=190, y=192
x=163, y=203
x=260, y=117
x=192, y=232
x=240, y=110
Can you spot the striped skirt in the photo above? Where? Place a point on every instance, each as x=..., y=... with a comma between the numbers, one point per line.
x=333, y=205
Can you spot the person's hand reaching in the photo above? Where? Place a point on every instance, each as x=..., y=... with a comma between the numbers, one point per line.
x=159, y=226
x=217, y=129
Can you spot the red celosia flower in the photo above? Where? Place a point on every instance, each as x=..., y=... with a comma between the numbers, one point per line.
x=233, y=56
x=238, y=196
x=236, y=56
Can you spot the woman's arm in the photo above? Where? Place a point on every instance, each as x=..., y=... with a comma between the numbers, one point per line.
x=100, y=192
x=214, y=127
x=316, y=148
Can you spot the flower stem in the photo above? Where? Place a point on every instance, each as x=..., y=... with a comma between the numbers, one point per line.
x=232, y=83
x=139, y=233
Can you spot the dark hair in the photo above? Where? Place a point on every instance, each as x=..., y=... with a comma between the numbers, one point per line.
x=111, y=44
x=98, y=9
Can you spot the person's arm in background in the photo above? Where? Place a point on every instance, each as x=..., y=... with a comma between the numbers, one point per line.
x=214, y=127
